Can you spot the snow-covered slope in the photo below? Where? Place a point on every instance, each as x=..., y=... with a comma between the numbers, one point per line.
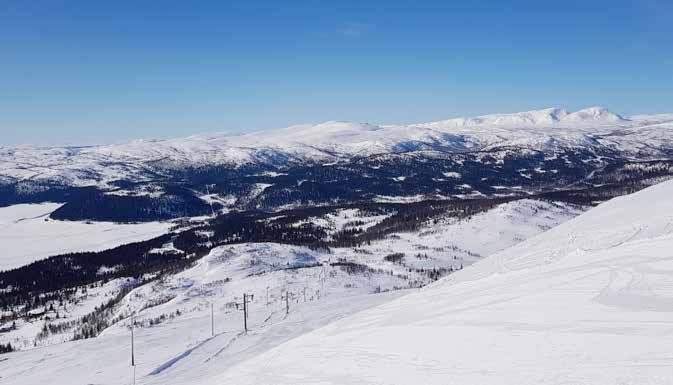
x=588, y=302
x=173, y=339
x=545, y=130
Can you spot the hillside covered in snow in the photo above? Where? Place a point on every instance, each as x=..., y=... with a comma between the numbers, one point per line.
x=172, y=309
x=588, y=302
x=592, y=154
x=540, y=130
x=581, y=301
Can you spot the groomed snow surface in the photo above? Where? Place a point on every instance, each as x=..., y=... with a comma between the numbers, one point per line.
x=27, y=234
x=588, y=302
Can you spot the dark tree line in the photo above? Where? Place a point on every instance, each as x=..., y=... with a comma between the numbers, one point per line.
x=491, y=173
x=7, y=348
x=175, y=202
x=56, y=278
x=296, y=227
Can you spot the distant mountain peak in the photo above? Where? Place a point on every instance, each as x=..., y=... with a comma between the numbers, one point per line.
x=595, y=113
x=546, y=117
x=550, y=129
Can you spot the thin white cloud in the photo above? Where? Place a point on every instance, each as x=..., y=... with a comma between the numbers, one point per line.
x=353, y=29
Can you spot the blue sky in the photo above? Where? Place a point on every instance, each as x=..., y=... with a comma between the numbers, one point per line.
x=100, y=72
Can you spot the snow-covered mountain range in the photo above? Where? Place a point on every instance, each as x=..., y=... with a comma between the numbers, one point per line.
x=519, y=154
x=546, y=130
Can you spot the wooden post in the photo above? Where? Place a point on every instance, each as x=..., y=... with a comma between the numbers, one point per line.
x=245, y=312
x=246, y=298
x=133, y=358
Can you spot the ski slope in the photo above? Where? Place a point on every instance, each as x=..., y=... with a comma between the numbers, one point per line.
x=588, y=302
x=27, y=234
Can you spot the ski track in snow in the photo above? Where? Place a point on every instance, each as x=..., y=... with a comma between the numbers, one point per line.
x=182, y=355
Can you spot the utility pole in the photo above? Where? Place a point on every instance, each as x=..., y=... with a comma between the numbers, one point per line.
x=321, y=277
x=267, y=296
x=133, y=358
x=212, y=321
x=287, y=301
x=244, y=306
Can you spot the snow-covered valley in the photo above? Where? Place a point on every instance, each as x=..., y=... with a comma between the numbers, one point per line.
x=27, y=234
x=584, y=299
x=173, y=314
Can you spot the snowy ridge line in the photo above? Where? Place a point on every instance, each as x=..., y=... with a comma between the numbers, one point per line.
x=545, y=130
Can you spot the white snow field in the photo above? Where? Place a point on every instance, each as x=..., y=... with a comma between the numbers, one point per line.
x=173, y=341
x=587, y=302
x=27, y=235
